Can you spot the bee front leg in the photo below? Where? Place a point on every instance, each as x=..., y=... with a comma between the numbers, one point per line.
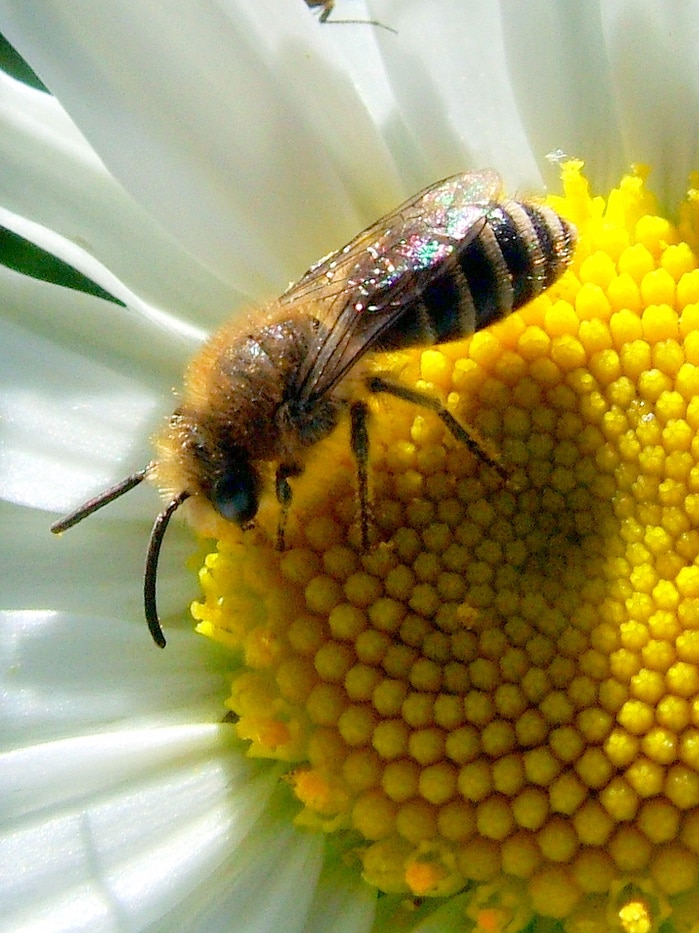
x=377, y=384
x=359, y=441
x=284, y=496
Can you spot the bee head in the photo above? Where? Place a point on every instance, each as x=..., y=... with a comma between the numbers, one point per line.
x=235, y=493
x=199, y=455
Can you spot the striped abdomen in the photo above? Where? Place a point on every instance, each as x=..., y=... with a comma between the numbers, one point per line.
x=520, y=251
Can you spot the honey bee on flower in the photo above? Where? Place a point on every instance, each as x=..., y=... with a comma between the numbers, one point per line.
x=450, y=261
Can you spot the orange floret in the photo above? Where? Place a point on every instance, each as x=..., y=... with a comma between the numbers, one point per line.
x=500, y=698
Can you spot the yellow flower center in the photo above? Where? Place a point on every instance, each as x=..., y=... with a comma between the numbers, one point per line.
x=502, y=696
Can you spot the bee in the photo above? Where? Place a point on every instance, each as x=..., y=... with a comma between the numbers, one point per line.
x=264, y=389
x=326, y=8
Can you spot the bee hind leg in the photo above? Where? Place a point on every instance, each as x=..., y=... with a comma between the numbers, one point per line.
x=376, y=384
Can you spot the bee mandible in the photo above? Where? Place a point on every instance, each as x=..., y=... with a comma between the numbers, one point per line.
x=451, y=260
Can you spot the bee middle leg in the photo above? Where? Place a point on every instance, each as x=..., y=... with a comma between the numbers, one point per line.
x=284, y=496
x=376, y=384
x=359, y=441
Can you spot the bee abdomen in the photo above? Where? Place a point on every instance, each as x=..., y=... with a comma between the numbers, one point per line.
x=520, y=251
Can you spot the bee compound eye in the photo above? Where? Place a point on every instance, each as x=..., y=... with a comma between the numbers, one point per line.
x=235, y=495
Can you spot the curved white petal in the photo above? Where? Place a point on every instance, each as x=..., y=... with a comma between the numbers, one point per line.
x=69, y=674
x=611, y=83
x=356, y=45
x=50, y=175
x=654, y=49
x=66, y=418
x=266, y=886
x=96, y=569
x=342, y=902
x=119, y=831
x=561, y=74
x=147, y=334
x=257, y=144
x=456, y=105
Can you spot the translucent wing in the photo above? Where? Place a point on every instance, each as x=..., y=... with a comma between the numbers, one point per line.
x=359, y=291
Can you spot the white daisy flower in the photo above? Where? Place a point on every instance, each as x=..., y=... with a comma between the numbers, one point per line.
x=192, y=158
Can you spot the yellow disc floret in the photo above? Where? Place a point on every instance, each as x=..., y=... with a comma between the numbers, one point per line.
x=501, y=697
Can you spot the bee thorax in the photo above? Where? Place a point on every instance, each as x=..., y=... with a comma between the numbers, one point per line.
x=305, y=423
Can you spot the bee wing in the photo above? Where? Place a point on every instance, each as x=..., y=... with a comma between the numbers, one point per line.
x=359, y=291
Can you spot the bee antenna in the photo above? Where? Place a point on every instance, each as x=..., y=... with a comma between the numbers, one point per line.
x=104, y=498
x=154, y=544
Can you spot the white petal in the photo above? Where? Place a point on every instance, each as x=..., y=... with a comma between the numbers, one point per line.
x=342, y=903
x=69, y=674
x=111, y=832
x=139, y=340
x=255, y=143
x=613, y=85
x=356, y=45
x=457, y=109
x=65, y=419
x=559, y=68
x=653, y=50
x=266, y=886
x=50, y=175
x=96, y=569
x=79, y=259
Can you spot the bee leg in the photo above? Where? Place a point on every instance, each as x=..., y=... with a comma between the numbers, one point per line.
x=359, y=441
x=377, y=384
x=284, y=496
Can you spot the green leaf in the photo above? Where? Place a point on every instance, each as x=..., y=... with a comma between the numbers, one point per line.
x=26, y=257
x=13, y=63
